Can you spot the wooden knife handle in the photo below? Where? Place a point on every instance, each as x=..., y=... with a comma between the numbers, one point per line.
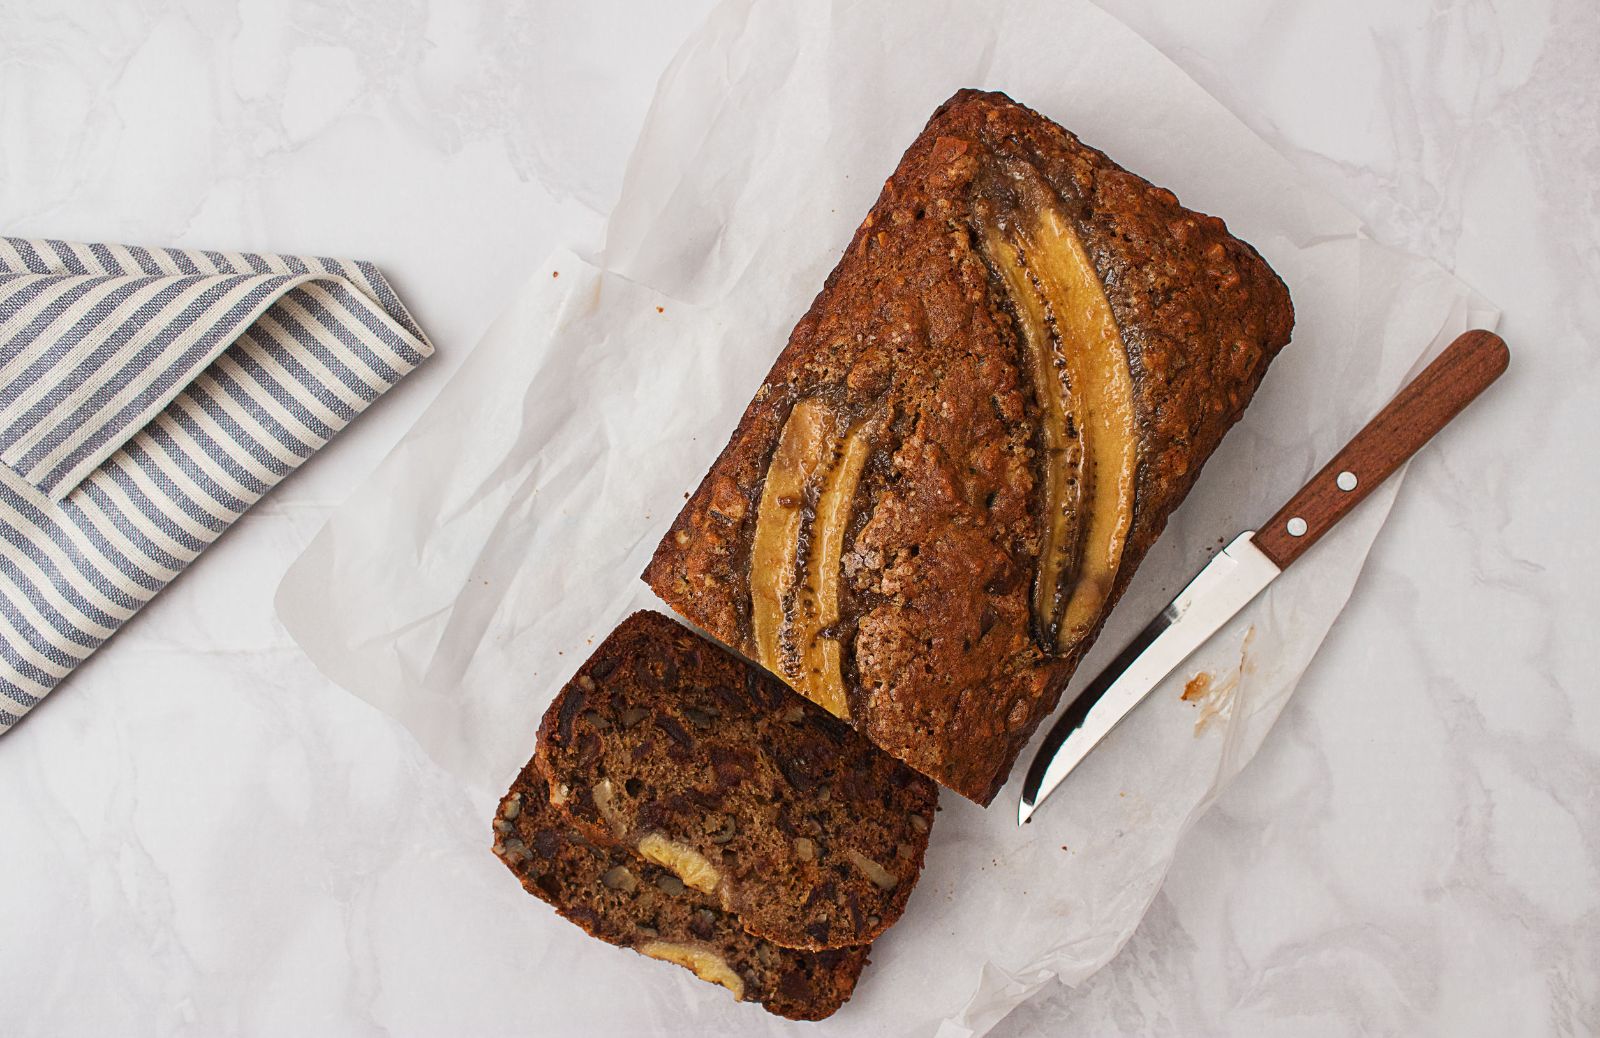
x=1450, y=383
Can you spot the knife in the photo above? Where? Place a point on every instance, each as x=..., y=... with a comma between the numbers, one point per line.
x=1255, y=558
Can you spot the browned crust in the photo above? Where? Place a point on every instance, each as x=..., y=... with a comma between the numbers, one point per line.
x=560, y=867
x=701, y=748
x=942, y=669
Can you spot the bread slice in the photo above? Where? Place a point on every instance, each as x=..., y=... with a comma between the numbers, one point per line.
x=1008, y=383
x=673, y=748
x=633, y=904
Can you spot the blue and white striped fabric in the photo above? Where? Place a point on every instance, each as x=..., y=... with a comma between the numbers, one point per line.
x=147, y=398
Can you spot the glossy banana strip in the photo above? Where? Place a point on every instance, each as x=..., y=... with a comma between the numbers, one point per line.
x=805, y=444
x=1084, y=393
x=1059, y=437
x=797, y=559
x=1097, y=369
x=817, y=609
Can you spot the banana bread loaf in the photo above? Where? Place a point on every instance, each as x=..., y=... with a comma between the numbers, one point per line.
x=673, y=748
x=630, y=903
x=1006, y=386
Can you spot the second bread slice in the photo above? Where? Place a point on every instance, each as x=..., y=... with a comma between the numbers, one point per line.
x=617, y=898
x=695, y=760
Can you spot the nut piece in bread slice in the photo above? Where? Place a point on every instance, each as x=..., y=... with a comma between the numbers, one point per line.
x=623, y=901
x=698, y=762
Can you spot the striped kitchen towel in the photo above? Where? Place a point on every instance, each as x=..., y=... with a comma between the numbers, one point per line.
x=147, y=398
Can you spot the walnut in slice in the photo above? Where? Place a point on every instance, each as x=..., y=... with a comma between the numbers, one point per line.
x=634, y=904
x=771, y=818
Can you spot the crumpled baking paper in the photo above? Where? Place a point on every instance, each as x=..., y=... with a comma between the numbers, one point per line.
x=471, y=574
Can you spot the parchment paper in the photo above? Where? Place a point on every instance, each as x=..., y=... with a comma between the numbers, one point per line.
x=471, y=574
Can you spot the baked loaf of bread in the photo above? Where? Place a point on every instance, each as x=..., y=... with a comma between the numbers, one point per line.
x=692, y=759
x=633, y=904
x=1005, y=387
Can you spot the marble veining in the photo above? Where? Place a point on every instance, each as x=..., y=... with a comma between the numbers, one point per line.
x=1440, y=873
x=202, y=835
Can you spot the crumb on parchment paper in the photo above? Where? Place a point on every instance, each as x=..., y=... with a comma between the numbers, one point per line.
x=1216, y=698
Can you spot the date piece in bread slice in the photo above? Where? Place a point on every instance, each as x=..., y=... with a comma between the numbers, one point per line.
x=695, y=760
x=616, y=897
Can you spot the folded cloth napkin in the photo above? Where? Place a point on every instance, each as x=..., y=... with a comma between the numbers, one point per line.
x=147, y=398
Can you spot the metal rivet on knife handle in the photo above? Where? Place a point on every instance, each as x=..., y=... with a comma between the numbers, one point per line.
x=1246, y=566
x=1465, y=368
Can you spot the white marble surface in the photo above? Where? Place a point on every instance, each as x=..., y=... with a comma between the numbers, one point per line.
x=199, y=834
